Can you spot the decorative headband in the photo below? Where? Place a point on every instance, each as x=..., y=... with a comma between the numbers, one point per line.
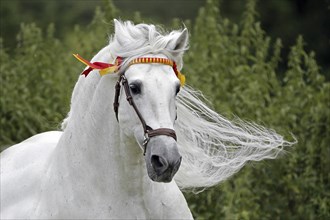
x=107, y=68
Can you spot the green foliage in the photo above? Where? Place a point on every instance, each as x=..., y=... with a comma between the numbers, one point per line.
x=37, y=80
x=236, y=66
x=30, y=83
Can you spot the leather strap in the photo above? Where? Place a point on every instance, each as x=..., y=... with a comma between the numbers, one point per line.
x=148, y=131
x=162, y=131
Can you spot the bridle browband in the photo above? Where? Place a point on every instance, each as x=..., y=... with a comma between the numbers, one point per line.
x=106, y=68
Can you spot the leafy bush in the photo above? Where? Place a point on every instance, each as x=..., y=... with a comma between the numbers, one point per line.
x=37, y=78
x=33, y=86
x=237, y=67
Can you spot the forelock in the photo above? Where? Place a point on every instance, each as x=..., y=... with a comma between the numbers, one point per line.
x=131, y=41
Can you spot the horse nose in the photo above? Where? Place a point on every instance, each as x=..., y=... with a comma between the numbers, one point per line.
x=159, y=164
x=162, y=165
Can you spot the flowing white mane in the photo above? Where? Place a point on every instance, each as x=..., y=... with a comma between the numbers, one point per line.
x=212, y=147
x=215, y=148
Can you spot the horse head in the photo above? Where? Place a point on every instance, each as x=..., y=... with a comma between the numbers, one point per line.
x=151, y=88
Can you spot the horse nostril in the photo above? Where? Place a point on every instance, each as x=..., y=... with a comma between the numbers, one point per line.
x=159, y=164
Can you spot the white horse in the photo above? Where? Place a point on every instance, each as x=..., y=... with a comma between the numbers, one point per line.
x=95, y=168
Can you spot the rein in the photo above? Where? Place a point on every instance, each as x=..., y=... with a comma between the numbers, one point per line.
x=106, y=68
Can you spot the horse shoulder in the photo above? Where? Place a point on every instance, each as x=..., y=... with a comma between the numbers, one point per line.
x=22, y=168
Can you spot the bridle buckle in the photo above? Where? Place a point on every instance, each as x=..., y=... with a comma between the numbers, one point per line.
x=145, y=142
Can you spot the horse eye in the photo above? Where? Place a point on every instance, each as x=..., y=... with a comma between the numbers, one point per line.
x=135, y=88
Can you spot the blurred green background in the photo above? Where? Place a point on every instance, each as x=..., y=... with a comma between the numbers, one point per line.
x=265, y=61
x=285, y=19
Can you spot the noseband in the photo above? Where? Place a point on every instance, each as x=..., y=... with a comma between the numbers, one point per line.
x=106, y=68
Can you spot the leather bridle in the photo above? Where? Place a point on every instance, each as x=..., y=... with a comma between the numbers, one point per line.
x=148, y=131
x=107, y=68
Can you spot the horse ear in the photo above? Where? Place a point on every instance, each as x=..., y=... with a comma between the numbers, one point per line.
x=180, y=41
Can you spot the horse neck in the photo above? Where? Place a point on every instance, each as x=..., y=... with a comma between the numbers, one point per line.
x=92, y=148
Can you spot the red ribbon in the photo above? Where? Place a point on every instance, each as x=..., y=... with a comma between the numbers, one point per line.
x=96, y=65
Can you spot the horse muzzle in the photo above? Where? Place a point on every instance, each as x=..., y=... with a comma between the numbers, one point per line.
x=162, y=159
